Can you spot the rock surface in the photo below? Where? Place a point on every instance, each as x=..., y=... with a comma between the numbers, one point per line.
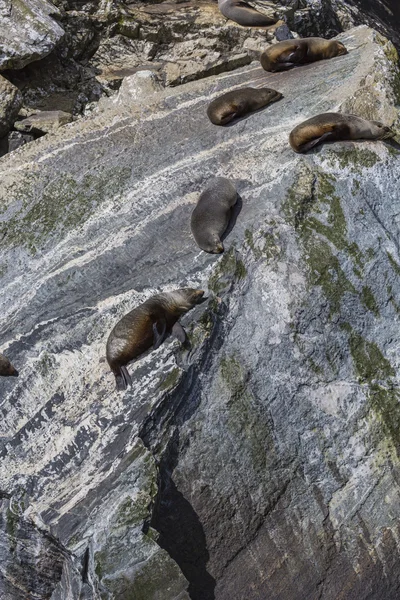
x=263, y=463
x=10, y=103
x=28, y=32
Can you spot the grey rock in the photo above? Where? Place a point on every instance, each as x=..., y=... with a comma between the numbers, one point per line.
x=283, y=33
x=43, y=122
x=28, y=32
x=10, y=103
x=264, y=462
x=17, y=139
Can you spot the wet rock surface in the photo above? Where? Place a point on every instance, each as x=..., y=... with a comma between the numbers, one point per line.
x=264, y=461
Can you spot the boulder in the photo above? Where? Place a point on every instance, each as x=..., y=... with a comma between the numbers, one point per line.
x=263, y=462
x=10, y=103
x=28, y=32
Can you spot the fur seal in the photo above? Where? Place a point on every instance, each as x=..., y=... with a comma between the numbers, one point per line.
x=289, y=53
x=147, y=325
x=6, y=368
x=244, y=14
x=212, y=214
x=237, y=103
x=331, y=127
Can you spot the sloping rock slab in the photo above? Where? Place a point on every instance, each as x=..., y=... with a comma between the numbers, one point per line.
x=265, y=461
x=27, y=32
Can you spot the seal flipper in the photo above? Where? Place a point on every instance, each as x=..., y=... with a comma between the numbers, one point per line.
x=179, y=332
x=325, y=137
x=126, y=376
x=159, y=336
x=120, y=381
x=122, y=378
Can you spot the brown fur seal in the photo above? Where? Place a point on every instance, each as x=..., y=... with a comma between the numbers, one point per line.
x=147, y=325
x=6, y=368
x=237, y=103
x=289, y=53
x=331, y=127
x=212, y=214
x=244, y=14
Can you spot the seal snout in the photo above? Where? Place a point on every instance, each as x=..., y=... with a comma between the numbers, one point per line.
x=14, y=372
x=200, y=297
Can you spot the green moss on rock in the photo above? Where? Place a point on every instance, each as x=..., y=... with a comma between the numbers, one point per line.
x=64, y=205
x=245, y=420
x=171, y=379
x=229, y=269
x=376, y=371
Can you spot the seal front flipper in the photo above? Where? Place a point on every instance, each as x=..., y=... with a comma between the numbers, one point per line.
x=159, y=330
x=179, y=332
x=326, y=137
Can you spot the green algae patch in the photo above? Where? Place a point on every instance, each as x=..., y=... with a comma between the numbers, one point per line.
x=262, y=246
x=245, y=419
x=133, y=512
x=325, y=271
x=368, y=299
x=11, y=527
x=314, y=209
x=171, y=379
x=64, y=205
x=376, y=371
x=157, y=578
x=395, y=265
x=229, y=270
x=355, y=159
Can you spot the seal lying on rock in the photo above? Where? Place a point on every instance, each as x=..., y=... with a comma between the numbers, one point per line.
x=6, y=368
x=212, y=214
x=244, y=14
x=331, y=127
x=237, y=103
x=147, y=325
x=289, y=53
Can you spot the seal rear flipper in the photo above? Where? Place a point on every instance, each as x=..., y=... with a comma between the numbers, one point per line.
x=123, y=379
x=120, y=381
x=179, y=332
x=159, y=331
x=126, y=376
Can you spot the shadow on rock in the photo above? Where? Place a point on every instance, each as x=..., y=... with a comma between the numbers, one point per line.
x=181, y=532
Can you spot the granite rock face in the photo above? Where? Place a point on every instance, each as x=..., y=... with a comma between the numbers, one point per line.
x=28, y=32
x=262, y=463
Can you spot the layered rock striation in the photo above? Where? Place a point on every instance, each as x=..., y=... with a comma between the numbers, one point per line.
x=262, y=463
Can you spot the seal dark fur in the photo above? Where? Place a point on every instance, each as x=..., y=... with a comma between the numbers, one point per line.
x=244, y=14
x=6, y=368
x=147, y=325
x=212, y=214
x=237, y=103
x=287, y=54
x=331, y=127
